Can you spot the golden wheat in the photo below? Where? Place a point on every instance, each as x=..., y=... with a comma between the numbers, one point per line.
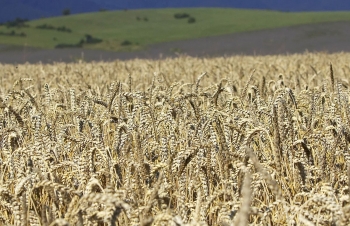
x=185, y=141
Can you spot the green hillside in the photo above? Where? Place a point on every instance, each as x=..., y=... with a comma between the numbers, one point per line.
x=144, y=27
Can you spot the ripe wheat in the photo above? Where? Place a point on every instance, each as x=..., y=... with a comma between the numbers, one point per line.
x=185, y=141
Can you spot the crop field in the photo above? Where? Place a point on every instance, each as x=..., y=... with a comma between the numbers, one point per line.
x=187, y=141
x=139, y=29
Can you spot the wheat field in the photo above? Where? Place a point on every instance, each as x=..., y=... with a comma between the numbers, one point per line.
x=238, y=140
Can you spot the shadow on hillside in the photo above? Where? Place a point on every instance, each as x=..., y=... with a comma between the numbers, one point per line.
x=326, y=37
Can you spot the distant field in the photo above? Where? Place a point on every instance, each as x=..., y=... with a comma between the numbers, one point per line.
x=114, y=27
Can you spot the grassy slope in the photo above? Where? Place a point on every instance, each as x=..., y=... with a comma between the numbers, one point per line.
x=115, y=26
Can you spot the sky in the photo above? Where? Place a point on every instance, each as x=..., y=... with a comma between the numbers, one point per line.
x=34, y=9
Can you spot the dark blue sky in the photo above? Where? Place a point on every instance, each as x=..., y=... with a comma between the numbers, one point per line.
x=32, y=9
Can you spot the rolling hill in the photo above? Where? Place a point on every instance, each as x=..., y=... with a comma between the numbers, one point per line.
x=282, y=5
x=35, y=9
x=137, y=29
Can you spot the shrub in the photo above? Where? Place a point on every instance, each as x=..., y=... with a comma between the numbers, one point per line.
x=13, y=33
x=126, y=43
x=181, y=15
x=91, y=40
x=87, y=40
x=45, y=26
x=64, y=29
x=18, y=22
x=50, y=27
x=145, y=19
x=66, y=12
x=65, y=45
x=191, y=20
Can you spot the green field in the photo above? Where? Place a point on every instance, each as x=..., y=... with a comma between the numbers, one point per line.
x=114, y=27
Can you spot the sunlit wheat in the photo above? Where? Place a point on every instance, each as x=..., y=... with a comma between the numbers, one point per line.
x=185, y=141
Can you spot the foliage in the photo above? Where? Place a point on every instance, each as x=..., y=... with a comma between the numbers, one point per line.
x=181, y=15
x=50, y=27
x=13, y=33
x=67, y=45
x=191, y=20
x=63, y=29
x=46, y=26
x=66, y=12
x=91, y=40
x=18, y=23
x=126, y=43
x=87, y=40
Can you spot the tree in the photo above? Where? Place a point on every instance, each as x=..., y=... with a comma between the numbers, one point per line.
x=66, y=12
x=191, y=20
